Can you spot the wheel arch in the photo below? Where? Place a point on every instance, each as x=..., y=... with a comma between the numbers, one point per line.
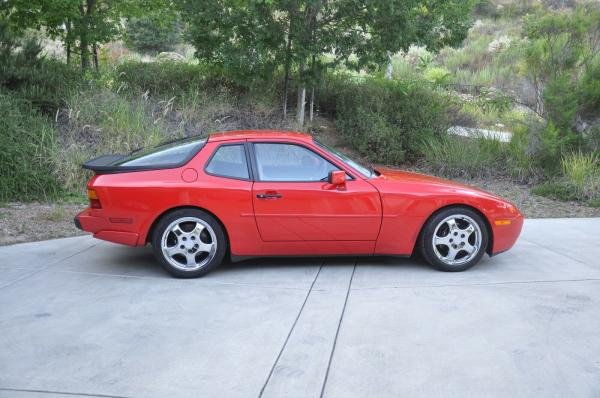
x=488, y=226
x=148, y=237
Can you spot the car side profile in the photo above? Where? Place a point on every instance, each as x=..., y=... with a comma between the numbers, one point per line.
x=273, y=193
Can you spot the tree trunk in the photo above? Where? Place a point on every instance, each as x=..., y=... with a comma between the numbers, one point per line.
x=84, y=31
x=95, y=56
x=301, y=104
x=389, y=71
x=312, y=105
x=68, y=41
x=85, y=52
x=286, y=77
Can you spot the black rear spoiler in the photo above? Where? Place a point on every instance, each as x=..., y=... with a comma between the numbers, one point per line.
x=118, y=163
x=104, y=163
x=110, y=164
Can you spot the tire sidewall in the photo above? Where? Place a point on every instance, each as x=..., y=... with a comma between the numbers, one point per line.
x=426, y=246
x=166, y=220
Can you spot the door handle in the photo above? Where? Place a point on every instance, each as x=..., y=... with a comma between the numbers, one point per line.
x=269, y=196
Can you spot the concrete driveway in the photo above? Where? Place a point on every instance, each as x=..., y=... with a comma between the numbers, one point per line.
x=80, y=317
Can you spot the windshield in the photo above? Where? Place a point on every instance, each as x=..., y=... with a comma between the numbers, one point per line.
x=365, y=171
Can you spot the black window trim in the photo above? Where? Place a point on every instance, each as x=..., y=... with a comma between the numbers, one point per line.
x=255, y=164
x=244, y=144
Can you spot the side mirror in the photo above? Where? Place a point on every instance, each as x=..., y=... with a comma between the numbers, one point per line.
x=337, y=177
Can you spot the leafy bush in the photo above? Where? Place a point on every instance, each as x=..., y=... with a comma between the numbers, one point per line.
x=590, y=89
x=561, y=58
x=44, y=82
x=553, y=144
x=520, y=165
x=168, y=78
x=149, y=34
x=555, y=190
x=387, y=121
x=28, y=147
x=437, y=76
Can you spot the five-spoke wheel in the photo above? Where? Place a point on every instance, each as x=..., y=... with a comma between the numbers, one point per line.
x=189, y=242
x=454, y=239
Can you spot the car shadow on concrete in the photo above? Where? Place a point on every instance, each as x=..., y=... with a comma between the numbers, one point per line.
x=141, y=262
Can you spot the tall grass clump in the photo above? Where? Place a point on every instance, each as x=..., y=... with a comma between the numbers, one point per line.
x=580, y=180
x=28, y=147
x=385, y=120
x=465, y=157
x=98, y=122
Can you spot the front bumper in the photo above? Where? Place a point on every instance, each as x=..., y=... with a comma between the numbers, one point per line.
x=104, y=229
x=505, y=236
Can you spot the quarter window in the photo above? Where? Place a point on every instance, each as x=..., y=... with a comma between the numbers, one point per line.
x=229, y=161
x=288, y=162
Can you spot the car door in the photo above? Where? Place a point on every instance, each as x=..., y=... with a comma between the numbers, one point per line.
x=293, y=201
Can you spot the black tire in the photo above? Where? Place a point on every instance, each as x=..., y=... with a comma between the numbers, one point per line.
x=171, y=263
x=432, y=253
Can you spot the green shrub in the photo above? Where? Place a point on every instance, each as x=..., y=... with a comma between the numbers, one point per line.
x=386, y=120
x=28, y=150
x=437, y=75
x=555, y=190
x=520, y=165
x=486, y=8
x=554, y=143
x=561, y=101
x=44, y=82
x=590, y=89
x=168, y=78
x=149, y=34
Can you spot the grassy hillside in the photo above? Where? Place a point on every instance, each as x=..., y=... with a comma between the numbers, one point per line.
x=137, y=101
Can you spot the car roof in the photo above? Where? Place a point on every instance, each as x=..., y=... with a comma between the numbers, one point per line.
x=262, y=134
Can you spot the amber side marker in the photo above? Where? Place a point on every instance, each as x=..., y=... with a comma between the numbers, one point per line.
x=94, y=200
x=502, y=222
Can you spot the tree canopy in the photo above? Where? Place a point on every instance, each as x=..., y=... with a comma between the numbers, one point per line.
x=77, y=23
x=254, y=37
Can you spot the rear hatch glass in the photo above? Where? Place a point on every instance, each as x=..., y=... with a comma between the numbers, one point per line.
x=165, y=156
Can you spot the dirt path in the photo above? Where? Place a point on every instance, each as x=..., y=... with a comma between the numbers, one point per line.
x=27, y=222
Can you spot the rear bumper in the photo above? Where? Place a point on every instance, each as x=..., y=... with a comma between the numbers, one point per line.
x=77, y=223
x=104, y=229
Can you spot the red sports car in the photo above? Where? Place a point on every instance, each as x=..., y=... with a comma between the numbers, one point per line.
x=272, y=193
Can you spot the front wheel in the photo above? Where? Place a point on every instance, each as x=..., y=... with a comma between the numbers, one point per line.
x=189, y=243
x=454, y=239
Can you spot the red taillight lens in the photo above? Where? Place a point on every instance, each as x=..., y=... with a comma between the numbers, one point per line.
x=94, y=201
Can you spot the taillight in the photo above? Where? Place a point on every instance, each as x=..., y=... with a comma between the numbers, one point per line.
x=93, y=197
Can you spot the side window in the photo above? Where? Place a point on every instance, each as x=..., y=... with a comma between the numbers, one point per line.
x=229, y=161
x=288, y=162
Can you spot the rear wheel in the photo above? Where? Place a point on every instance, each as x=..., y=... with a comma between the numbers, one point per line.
x=189, y=243
x=454, y=239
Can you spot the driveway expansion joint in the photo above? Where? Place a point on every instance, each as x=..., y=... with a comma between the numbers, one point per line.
x=75, y=394
x=262, y=390
x=337, y=332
